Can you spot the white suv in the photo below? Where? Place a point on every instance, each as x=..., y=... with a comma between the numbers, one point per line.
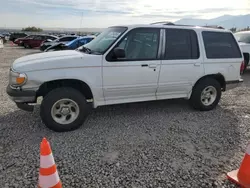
x=127, y=64
x=243, y=37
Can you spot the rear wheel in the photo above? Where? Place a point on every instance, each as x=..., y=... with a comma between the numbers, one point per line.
x=64, y=109
x=206, y=94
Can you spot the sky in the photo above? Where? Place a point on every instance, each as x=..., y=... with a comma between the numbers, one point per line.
x=105, y=13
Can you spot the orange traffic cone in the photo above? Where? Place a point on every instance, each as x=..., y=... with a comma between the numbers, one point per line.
x=48, y=175
x=242, y=175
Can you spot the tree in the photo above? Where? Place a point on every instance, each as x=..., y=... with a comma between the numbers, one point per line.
x=32, y=29
x=234, y=29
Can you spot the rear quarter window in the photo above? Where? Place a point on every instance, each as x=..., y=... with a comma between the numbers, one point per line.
x=220, y=45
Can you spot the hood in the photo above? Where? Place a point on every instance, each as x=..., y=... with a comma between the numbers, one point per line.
x=245, y=47
x=29, y=62
x=243, y=43
x=58, y=46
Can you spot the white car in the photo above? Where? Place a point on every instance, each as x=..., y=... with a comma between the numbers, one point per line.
x=127, y=64
x=243, y=37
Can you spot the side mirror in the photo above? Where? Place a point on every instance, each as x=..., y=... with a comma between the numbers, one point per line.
x=119, y=53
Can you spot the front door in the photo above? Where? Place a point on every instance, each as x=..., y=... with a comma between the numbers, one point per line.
x=36, y=41
x=135, y=77
x=182, y=64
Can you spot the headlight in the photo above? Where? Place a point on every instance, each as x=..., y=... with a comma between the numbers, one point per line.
x=16, y=78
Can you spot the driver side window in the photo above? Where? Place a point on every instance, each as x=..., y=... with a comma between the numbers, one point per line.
x=140, y=44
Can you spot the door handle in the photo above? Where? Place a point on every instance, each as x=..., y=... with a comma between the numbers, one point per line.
x=144, y=65
x=197, y=64
x=152, y=66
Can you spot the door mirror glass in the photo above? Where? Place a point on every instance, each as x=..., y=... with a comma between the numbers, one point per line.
x=119, y=53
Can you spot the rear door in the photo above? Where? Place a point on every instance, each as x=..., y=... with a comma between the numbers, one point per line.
x=181, y=65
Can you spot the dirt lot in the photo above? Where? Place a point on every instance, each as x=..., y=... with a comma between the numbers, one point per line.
x=152, y=144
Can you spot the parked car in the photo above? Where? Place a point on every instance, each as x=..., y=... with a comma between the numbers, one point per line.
x=20, y=41
x=14, y=36
x=127, y=64
x=64, y=40
x=2, y=37
x=72, y=45
x=36, y=41
x=243, y=38
x=6, y=35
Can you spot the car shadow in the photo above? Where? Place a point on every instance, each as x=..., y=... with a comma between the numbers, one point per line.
x=149, y=131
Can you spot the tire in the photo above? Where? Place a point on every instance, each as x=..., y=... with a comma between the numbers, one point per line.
x=206, y=85
x=26, y=45
x=54, y=97
x=246, y=61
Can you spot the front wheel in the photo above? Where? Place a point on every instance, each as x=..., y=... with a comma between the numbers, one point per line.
x=64, y=109
x=26, y=46
x=206, y=94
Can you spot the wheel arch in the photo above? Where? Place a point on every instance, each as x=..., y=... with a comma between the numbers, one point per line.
x=218, y=76
x=82, y=86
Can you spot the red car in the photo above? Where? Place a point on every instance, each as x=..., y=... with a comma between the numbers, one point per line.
x=37, y=40
x=19, y=41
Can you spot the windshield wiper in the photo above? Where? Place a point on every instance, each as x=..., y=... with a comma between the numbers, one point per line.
x=88, y=50
x=84, y=49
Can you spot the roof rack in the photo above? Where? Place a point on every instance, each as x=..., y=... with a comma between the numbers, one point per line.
x=214, y=26
x=163, y=23
x=170, y=23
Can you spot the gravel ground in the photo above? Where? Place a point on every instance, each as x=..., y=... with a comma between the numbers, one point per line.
x=152, y=144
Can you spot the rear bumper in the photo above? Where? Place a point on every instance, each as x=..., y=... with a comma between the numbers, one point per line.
x=233, y=84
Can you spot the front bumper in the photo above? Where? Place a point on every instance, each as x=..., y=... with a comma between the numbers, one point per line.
x=233, y=84
x=22, y=98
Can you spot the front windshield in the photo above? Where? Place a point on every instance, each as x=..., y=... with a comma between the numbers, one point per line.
x=242, y=37
x=105, y=39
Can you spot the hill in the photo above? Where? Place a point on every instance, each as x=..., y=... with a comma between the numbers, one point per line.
x=226, y=21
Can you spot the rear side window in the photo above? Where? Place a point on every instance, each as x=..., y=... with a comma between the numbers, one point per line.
x=220, y=45
x=38, y=37
x=181, y=44
x=51, y=37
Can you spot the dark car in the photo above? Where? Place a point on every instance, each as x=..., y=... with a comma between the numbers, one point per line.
x=64, y=40
x=37, y=40
x=14, y=36
x=72, y=45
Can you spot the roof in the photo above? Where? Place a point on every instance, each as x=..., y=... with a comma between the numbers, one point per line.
x=171, y=25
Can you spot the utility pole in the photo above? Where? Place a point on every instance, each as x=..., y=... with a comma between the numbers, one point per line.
x=81, y=24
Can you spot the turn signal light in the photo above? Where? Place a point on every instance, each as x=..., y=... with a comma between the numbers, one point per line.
x=20, y=80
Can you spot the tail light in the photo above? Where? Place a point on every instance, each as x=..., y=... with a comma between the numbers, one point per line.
x=242, y=67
